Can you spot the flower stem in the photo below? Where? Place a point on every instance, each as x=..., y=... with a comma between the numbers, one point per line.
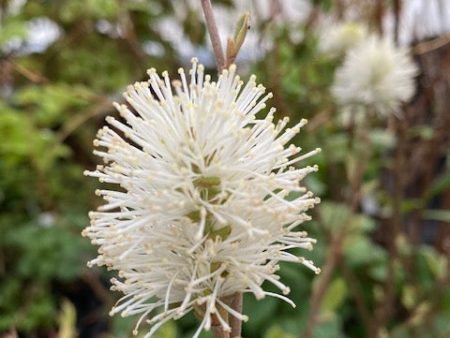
x=213, y=34
x=236, y=303
x=235, y=323
x=216, y=327
x=218, y=332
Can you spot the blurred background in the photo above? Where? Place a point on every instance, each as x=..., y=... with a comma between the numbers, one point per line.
x=383, y=226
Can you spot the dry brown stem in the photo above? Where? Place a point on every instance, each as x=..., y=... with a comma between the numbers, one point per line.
x=213, y=34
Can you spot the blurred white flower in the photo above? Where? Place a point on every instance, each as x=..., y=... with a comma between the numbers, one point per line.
x=46, y=219
x=336, y=39
x=208, y=201
x=375, y=75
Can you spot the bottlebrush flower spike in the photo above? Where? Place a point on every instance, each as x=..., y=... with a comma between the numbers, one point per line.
x=335, y=39
x=200, y=211
x=376, y=75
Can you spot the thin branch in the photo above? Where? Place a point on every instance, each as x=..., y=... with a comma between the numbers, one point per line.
x=331, y=262
x=129, y=33
x=397, y=11
x=29, y=75
x=236, y=301
x=217, y=328
x=431, y=45
x=235, y=323
x=103, y=105
x=213, y=34
x=334, y=253
x=378, y=16
x=218, y=332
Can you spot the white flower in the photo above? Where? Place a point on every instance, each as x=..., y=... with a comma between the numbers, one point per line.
x=336, y=39
x=201, y=210
x=375, y=75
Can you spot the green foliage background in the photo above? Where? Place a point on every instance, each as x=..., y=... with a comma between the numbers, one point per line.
x=52, y=103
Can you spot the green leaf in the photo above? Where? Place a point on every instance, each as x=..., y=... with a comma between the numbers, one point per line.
x=436, y=262
x=334, y=296
x=437, y=215
x=442, y=323
x=400, y=332
x=439, y=185
x=315, y=184
x=338, y=217
x=12, y=28
x=359, y=250
x=334, y=216
x=336, y=147
x=382, y=138
x=23, y=142
x=103, y=8
x=361, y=223
x=329, y=327
x=409, y=296
x=50, y=104
x=260, y=312
x=168, y=330
x=423, y=131
x=379, y=271
x=277, y=332
x=242, y=27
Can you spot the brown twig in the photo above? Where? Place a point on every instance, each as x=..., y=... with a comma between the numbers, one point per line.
x=236, y=302
x=339, y=9
x=129, y=34
x=358, y=135
x=102, y=106
x=378, y=15
x=397, y=6
x=235, y=323
x=213, y=34
x=331, y=262
x=216, y=327
x=218, y=332
x=29, y=75
x=431, y=45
